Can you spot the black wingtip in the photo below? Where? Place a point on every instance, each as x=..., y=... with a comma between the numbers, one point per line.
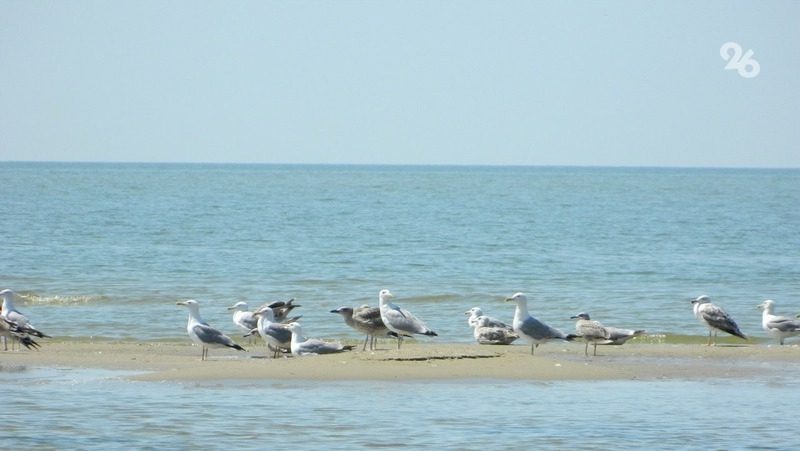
x=571, y=337
x=431, y=333
x=238, y=348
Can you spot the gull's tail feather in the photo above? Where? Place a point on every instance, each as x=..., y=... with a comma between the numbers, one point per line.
x=431, y=333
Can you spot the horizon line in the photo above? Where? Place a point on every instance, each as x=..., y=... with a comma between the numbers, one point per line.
x=444, y=165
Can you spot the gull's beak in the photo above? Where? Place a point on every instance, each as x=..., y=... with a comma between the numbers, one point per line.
x=335, y=311
x=180, y=303
x=509, y=299
x=467, y=312
x=573, y=317
x=233, y=307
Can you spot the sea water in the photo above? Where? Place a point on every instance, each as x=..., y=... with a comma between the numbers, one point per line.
x=80, y=409
x=105, y=250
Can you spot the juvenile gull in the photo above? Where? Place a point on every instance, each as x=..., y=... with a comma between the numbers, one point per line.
x=530, y=328
x=275, y=335
x=779, y=327
x=13, y=316
x=364, y=319
x=399, y=320
x=486, y=333
x=476, y=312
x=311, y=346
x=715, y=318
x=596, y=333
x=204, y=335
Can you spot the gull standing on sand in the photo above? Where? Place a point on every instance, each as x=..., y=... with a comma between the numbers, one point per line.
x=11, y=330
x=364, y=319
x=400, y=321
x=779, y=327
x=530, y=328
x=311, y=346
x=596, y=333
x=204, y=335
x=242, y=317
x=19, y=321
x=715, y=318
x=487, y=333
x=275, y=335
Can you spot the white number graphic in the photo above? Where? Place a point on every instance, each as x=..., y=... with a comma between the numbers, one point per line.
x=745, y=65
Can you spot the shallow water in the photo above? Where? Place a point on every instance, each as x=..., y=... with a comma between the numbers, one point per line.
x=79, y=409
x=107, y=249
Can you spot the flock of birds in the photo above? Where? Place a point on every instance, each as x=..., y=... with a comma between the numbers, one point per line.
x=283, y=334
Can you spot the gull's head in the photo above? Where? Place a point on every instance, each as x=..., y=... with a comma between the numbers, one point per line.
x=518, y=298
x=344, y=311
x=7, y=294
x=294, y=328
x=266, y=312
x=238, y=306
x=385, y=295
x=581, y=315
x=767, y=305
x=191, y=304
x=701, y=300
x=474, y=311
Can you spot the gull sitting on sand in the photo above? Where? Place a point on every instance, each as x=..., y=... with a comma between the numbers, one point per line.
x=715, y=318
x=399, y=320
x=311, y=346
x=16, y=320
x=367, y=320
x=530, y=328
x=276, y=336
x=597, y=334
x=204, y=335
x=779, y=327
x=487, y=333
x=476, y=312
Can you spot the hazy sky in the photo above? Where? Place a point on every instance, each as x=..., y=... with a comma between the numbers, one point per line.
x=419, y=82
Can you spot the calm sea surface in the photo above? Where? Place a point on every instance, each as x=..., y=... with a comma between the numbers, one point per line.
x=114, y=246
x=105, y=250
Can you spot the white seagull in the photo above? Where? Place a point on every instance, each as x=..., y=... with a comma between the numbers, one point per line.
x=243, y=318
x=486, y=333
x=399, y=320
x=16, y=319
x=715, y=318
x=281, y=310
x=596, y=333
x=311, y=346
x=204, y=335
x=777, y=326
x=275, y=335
x=530, y=328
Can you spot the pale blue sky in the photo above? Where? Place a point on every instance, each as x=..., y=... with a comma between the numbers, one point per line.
x=412, y=82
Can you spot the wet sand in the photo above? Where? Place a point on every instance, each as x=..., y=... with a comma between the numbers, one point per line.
x=156, y=361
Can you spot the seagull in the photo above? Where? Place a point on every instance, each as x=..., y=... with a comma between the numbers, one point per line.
x=779, y=327
x=596, y=333
x=204, y=335
x=281, y=310
x=364, y=319
x=400, y=321
x=311, y=346
x=530, y=328
x=11, y=315
x=715, y=318
x=487, y=334
x=274, y=334
x=242, y=317
x=476, y=312
x=11, y=330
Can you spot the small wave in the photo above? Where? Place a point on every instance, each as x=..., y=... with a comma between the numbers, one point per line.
x=31, y=298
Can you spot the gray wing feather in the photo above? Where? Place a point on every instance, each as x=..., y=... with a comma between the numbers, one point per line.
x=784, y=324
x=538, y=330
x=405, y=321
x=208, y=334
